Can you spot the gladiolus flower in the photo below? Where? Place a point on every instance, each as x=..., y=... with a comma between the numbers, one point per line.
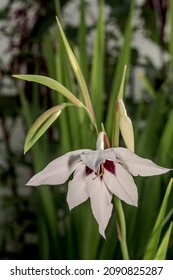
x=98, y=174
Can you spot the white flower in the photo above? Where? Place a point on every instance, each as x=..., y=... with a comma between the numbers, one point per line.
x=98, y=175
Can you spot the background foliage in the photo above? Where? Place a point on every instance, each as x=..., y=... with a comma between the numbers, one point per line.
x=35, y=223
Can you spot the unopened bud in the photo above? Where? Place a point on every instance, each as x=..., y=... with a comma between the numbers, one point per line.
x=126, y=127
x=100, y=141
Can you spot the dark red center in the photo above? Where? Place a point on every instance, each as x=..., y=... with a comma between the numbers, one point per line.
x=108, y=165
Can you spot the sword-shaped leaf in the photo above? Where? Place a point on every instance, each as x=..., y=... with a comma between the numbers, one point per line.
x=155, y=236
x=78, y=72
x=97, y=71
x=124, y=57
x=162, y=250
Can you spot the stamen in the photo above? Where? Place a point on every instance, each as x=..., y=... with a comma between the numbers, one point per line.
x=102, y=168
x=98, y=175
x=100, y=171
x=108, y=165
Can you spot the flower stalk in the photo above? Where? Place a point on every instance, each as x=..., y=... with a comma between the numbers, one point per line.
x=121, y=227
x=120, y=217
x=120, y=220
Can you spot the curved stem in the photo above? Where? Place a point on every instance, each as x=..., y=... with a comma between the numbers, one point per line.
x=92, y=120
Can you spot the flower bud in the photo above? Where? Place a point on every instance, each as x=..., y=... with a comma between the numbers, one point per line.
x=126, y=127
x=100, y=141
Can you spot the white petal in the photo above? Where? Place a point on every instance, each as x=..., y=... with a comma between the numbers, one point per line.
x=92, y=159
x=138, y=165
x=122, y=185
x=58, y=170
x=76, y=188
x=100, y=199
x=89, y=159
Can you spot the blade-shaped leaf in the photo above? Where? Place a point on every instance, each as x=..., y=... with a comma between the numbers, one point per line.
x=155, y=236
x=121, y=90
x=51, y=83
x=77, y=72
x=149, y=87
x=162, y=250
x=41, y=125
x=170, y=22
x=97, y=85
x=123, y=59
x=82, y=41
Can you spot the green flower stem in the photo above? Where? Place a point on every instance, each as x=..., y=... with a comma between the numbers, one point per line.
x=121, y=225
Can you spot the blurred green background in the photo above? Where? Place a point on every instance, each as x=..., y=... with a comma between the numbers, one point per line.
x=35, y=223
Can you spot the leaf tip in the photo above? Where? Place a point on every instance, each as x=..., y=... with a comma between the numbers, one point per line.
x=25, y=150
x=57, y=19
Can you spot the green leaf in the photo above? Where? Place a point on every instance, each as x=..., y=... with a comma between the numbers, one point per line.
x=121, y=90
x=170, y=46
x=162, y=250
x=155, y=236
x=97, y=84
x=41, y=125
x=166, y=141
x=49, y=55
x=123, y=59
x=77, y=71
x=149, y=87
x=82, y=42
x=52, y=84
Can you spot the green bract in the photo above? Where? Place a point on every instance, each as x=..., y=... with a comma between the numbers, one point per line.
x=41, y=125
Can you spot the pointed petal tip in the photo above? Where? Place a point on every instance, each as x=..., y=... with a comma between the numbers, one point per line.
x=136, y=204
x=136, y=201
x=139, y=166
x=29, y=183
x=32, y=183
x=69, y=206
x=132, y=203
x=102, y=234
